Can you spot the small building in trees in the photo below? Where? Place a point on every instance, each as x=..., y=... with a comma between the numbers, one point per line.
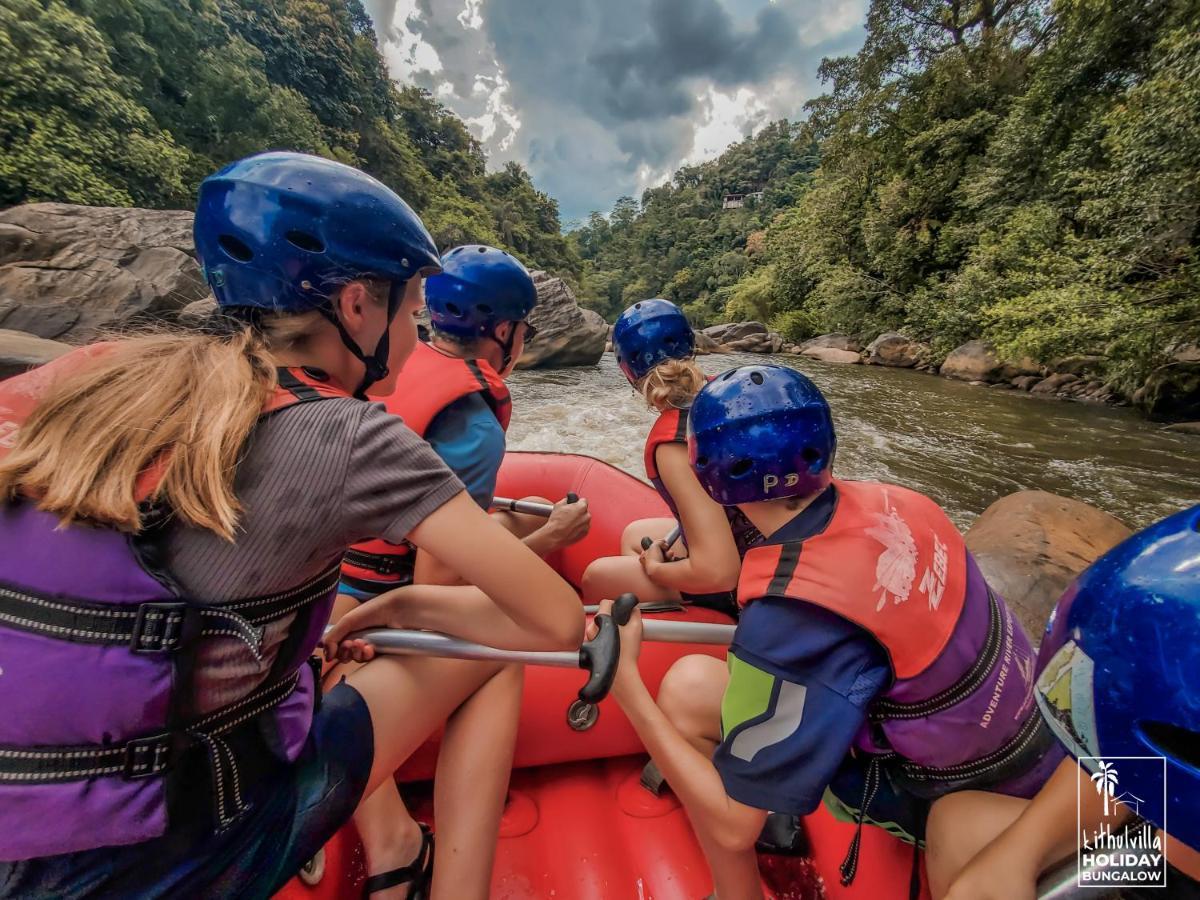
x=737, y=201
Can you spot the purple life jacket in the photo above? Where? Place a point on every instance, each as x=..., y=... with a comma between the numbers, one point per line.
x=97, y=649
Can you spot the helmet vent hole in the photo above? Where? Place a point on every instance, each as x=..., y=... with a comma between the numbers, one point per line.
x=728, y=375
x=484, y=308
x=702, y=461
x=482, y=249
x=637, y=306
x=811, y=455
x=235, y=248
x=305, y=241
x=756, y=377
x=454, y=310
x=741, y=468
x=1175, y=743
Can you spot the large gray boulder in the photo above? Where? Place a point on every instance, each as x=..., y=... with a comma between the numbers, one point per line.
x=1171, y=392
x=20, y=352
x=568, y=334
x=834, y=341
x=72, y=272
x=833, y=355
x=705, y=344
x=897, y=351
x=974, y=361
x=1030, y=546
x=729, y=332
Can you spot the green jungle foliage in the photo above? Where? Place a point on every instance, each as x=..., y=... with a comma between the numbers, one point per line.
x=133, y=102
x=1021, y=170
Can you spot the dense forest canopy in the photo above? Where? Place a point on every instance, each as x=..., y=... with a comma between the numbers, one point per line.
x=1020, y=170
x=133, y=102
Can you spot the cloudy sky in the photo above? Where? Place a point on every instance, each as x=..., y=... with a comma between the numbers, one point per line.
x=599, y=98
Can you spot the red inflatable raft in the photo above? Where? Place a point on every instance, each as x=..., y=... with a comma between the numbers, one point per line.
x=579, y=825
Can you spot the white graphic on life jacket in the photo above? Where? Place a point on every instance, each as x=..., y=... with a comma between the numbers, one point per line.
x=1025, y=668
x=896, y=568
x=933, y=582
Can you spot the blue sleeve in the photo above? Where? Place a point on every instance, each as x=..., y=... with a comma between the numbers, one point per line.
x=800, y=681
x=469, y=439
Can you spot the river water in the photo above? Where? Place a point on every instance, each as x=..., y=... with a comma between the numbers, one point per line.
x=965, y=446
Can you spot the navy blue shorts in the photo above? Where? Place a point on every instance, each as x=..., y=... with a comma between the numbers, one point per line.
x=294, y=810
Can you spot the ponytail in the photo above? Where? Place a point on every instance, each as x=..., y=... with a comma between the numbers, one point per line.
x=672, y=384
x=184, y=403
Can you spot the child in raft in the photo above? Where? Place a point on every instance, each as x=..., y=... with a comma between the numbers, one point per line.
x=177, y=506
x=452, y=393
x=1121, y=677
x=872, y=666
x=655, y=349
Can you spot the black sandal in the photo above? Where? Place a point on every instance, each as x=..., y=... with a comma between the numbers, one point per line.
x=419, y=872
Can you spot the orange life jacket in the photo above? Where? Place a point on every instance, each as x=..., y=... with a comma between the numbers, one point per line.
x=429, y=382
x=889, y=561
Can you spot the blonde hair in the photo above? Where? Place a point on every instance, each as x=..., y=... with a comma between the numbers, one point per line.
x=672, y=384
x=185, y=403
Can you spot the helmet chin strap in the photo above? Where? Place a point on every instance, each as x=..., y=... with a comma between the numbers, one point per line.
x=506, y=345
x=374, y=363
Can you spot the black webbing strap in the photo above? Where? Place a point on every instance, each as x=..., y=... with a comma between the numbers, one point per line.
x=381, y=563
x=884, y=709
x=160, y=626
x=141, y=757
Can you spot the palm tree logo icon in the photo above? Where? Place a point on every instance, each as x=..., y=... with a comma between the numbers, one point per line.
x=1106, y=782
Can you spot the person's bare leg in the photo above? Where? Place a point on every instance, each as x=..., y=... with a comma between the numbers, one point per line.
x=656, y=529
x=409, y=698
x=959, y=826
x=611, y=576
x=690, y=696
x=473, y=769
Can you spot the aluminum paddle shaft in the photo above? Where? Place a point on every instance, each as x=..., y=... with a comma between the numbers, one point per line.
x=599, y=656
x=529, y=507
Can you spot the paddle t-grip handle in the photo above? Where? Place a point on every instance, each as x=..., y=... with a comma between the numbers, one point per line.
x=572, y=497
x=602, y=654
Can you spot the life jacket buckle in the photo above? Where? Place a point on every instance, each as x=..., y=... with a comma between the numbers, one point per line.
x=148, y=756
x=159, y=627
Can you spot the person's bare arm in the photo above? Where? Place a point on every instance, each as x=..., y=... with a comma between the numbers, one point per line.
x=1009, y=867
x=518, y=601
x=712, y=563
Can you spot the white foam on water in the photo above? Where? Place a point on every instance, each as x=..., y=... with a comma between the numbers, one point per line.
x=964, y=446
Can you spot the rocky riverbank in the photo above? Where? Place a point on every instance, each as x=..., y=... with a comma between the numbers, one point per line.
x=1171, y=393
x=70, y=274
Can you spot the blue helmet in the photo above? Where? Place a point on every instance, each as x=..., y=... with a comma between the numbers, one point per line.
x=283, y=232
x=478, y=288
x=1120, y=666
x=761, y=433
x=650, y=332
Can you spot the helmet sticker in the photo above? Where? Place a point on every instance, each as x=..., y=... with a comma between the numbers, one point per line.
x=1064, y=695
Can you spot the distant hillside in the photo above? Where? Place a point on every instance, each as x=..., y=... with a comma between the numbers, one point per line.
x=132, y=103
x=680, y=242
x=1026, y=172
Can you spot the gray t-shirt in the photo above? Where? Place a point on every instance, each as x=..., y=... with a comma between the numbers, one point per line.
x=315, y=478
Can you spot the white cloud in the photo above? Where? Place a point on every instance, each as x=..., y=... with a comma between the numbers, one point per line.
x=727, y=119
x=405, y=53
x=499, y=123
x=470, y=16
